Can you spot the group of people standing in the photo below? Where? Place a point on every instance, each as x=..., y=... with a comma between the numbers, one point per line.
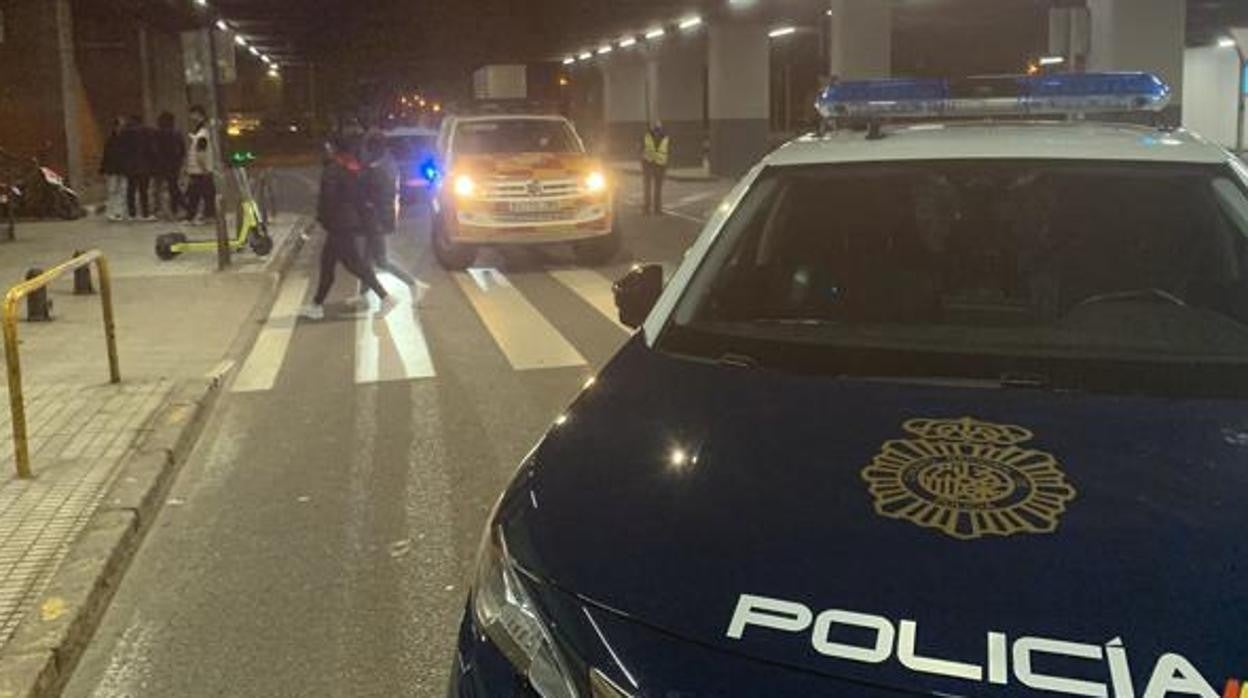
x=143, y=168
x=358, y=207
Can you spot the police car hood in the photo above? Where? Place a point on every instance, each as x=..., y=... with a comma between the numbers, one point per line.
x=959, y=517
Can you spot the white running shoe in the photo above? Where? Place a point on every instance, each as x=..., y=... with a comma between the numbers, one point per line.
x=312, y=312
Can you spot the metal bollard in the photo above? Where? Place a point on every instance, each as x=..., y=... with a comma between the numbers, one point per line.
x=38, y=305
x=82, y=279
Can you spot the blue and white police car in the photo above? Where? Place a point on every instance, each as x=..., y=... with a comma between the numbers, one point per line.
x=955, y=404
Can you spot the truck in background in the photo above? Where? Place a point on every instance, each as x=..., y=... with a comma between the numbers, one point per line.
x=500, y=82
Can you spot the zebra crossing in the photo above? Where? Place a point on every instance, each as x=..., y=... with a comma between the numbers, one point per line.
x=395, y=347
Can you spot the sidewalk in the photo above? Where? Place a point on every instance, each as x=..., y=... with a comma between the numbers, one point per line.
x=676, y=174
x=175, y=324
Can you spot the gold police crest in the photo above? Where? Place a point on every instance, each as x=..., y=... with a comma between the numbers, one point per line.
x=968, y=479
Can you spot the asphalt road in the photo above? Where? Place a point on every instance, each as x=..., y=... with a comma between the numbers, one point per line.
x=318, y=541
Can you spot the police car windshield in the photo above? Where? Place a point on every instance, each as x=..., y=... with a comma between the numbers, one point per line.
x=1089, y=262
x=514, y=136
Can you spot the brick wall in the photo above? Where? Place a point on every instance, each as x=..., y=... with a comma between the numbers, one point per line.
x=31, y=121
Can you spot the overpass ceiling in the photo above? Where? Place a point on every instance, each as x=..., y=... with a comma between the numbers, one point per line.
x=459, y=32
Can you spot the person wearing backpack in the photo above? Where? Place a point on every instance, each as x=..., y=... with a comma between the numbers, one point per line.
x=380, y=177
x=112, y=166
x=170, y=153
x=342, y=211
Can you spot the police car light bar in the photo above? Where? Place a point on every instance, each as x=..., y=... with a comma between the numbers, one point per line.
x=1022, y=95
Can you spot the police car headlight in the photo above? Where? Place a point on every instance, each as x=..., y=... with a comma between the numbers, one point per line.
x=596, y=183
x=508, y=617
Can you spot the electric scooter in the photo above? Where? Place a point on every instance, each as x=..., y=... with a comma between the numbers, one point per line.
x=252, y=230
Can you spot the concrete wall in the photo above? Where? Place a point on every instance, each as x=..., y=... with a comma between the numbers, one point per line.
x=860, y=38
x=1210, y=106
x=740, y=94
x=625, y=101
x=1140, y=35
x=681, y=96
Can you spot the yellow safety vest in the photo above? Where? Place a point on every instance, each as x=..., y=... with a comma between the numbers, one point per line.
x=656, y=152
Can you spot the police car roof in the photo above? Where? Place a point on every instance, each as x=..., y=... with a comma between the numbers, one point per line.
x=1002, y=140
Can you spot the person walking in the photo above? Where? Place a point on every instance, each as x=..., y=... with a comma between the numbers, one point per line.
x=137, y=156
x=170, y=153
x=112, y=166
x=201, y=188
x=381, y=198
x=342, y=211
x=655, y=147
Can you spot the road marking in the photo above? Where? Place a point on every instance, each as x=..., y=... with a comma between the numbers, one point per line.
x=526, y=338
x=694, y=198
x=260, y=371
x=593, y=288
x=393, y=348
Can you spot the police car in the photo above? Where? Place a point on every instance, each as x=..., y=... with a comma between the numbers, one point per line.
x=941, y=402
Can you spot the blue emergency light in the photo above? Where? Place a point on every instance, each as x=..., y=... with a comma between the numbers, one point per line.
x=1011, y=95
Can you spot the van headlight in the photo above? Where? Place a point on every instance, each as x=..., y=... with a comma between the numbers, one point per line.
x=465, y=186
x=509, y=618
x=595, y=183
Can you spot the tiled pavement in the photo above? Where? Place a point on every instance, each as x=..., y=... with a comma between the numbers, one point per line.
x=78, y=436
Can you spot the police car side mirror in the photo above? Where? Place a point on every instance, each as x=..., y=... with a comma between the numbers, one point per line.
x=637, y=292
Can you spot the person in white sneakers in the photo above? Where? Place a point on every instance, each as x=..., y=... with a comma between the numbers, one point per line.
x=341, y=211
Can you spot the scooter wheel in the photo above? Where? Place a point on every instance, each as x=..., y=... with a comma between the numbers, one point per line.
x=165, y=243
x=261, y=244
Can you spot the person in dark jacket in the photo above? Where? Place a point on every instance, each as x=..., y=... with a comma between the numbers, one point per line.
x=170, y=153
x=380, y=178
x=112, y=166
x=137, y=164
x=342, y=211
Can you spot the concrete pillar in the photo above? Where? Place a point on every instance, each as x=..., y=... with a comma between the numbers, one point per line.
x=860, y=38
x=145, y=76
x=625, y=103
x=71, y=86
x=1140, y=35
x=738, y=80
x=680, y=92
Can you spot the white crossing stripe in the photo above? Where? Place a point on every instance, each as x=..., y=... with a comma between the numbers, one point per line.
x=391, y=348
x=260, y=371
x=526, y=338
x=593, y=288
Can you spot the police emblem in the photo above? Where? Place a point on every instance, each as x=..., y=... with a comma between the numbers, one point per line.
x=968, y=479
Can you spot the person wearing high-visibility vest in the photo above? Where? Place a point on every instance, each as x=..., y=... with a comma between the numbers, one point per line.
x=656, y=145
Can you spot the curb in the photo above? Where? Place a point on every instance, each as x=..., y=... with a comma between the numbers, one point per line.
x=41, y=656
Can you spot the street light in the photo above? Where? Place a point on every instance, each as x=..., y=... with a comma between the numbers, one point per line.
x=238, y=39
x=1227, y=42
x=690, y=22
x=585, y=55
x=604, y=50
x=222, y=25
x=628, y=41
x=569, y=60
x=656, y=33
x=781, y=31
